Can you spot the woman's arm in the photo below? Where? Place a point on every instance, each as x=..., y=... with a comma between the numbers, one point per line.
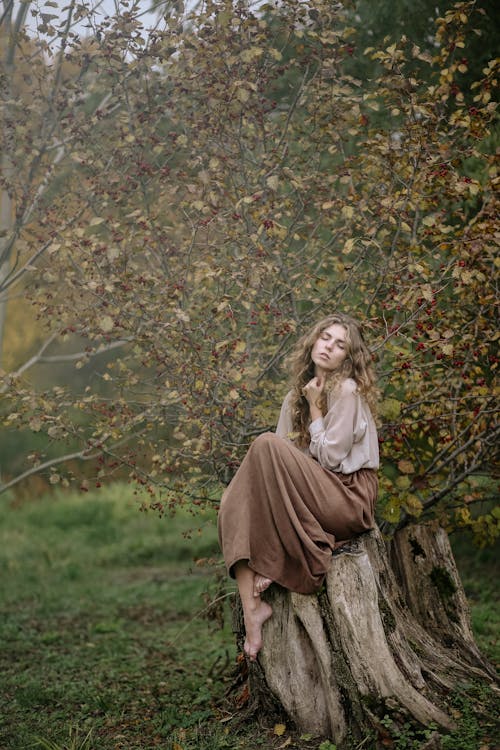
x=333, y=435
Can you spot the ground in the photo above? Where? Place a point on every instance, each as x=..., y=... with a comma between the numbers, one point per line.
x=108, y=640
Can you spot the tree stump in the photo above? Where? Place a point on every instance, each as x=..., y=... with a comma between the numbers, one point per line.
x=388, y=632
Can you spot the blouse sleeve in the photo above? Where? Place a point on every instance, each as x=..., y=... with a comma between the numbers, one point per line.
x=333, y=436
x=284, y=427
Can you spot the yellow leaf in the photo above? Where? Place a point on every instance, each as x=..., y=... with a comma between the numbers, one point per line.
x=242, y=95
x=106, y=323
x=390, y=408
x=347, y=212
x=251, y=54
x=272, y=182
x=427, y=292
x=402, y=483
x=391, y=513
x=279, y=729
x=413, y=504
x=349, y=246
x=35, y=424
x=405, y=466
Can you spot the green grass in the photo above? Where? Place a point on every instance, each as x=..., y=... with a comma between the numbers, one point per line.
x=102, y=642
x=479, y=573
x=98, y=624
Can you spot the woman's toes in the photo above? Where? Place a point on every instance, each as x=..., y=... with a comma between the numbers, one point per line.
x=260, y=584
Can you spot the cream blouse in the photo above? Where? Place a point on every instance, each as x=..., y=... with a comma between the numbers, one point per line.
x=345, y=439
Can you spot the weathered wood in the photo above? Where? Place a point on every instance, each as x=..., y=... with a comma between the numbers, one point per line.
x=336, y=659
x=422, y=559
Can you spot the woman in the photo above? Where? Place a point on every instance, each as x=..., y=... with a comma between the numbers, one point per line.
x=301, y=492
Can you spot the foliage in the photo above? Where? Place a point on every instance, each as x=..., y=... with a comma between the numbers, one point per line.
x=221, y=182
x=389, y=21
x=103, y=641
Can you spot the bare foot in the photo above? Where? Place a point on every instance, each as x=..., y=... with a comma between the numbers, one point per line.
x=260, y=584
x=254, y=620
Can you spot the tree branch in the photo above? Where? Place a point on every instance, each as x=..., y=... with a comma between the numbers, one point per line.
x=38, y=358
x=82, y=455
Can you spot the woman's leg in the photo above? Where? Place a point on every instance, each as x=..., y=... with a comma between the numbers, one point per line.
x=255, y=611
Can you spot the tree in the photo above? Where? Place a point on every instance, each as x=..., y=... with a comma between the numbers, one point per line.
x=248, y=184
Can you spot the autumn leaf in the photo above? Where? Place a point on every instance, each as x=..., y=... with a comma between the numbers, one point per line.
x=406, y=467
x=272, y=182
x=35, y=424
x=106, y=324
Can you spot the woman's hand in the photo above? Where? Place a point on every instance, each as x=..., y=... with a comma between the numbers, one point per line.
x=312, y=391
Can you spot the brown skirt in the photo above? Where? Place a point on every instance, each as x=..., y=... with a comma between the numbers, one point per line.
x=285, y=513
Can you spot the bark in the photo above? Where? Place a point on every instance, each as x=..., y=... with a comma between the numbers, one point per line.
x=373, y=641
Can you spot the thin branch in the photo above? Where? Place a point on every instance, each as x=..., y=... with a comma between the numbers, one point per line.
x=38, y=358
x=434, y=499
x=31, y=361
x=56, y=358
x=82, y=455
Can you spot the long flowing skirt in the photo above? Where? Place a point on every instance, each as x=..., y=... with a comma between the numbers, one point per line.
x=285, y=513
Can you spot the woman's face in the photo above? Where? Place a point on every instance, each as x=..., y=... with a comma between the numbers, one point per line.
x=329, y=349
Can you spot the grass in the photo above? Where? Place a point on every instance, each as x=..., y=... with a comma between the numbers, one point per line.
x=479, y=571
x=98, y=623
x=102, y=644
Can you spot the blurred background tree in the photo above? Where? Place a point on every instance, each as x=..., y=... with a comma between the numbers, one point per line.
x=180, y=202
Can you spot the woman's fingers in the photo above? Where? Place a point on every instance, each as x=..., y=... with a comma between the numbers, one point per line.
x=314, y=387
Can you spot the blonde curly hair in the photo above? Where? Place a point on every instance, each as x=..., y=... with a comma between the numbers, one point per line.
x=357, y=365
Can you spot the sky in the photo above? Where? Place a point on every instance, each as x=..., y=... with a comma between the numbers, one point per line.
x=103, y=8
